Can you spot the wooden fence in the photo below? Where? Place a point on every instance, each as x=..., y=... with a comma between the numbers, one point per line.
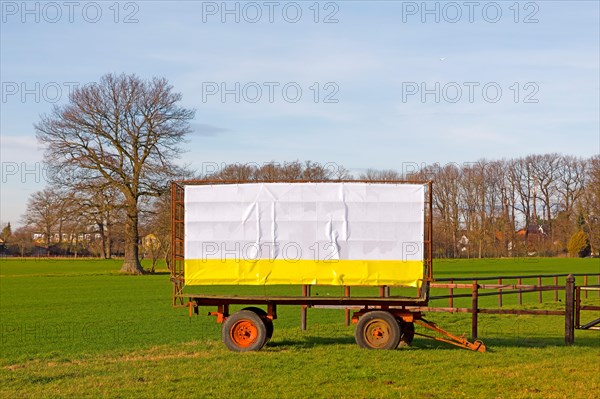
x=500, y=286
x=480, y=288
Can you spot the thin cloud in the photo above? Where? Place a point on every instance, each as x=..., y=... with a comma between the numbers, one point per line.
x=22, y=143
x=206, y=130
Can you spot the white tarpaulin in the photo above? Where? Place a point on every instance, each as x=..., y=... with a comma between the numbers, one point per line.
x=304, y=233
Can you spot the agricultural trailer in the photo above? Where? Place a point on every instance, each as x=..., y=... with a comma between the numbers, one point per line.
x=371, y=239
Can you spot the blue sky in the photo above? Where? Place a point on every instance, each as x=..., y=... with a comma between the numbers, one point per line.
x=530, y=86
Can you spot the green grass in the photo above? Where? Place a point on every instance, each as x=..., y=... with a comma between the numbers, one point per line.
x=79, y=328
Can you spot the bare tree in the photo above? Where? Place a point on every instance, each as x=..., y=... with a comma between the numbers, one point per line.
x=468, y=200
x=315, y=171
x=157, y=226
x=521, y=179
x=44, y=213
x=273, y=171
x=446, y=201
x=234, y=172
x=386, y=175
x=545, y=172
x=291, y=171
x=478, y=201
x=102, y=207
x=23, y=238
x=497, y=232
x=500, y=211
x=123, y=130
x=490, y=200
x=6, y=233
x=571, y=179
x=589, y=203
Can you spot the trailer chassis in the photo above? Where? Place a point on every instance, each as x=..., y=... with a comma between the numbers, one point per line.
x=381, y=323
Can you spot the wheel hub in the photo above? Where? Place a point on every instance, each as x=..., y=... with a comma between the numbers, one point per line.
x=377, y=334
x=244, y=333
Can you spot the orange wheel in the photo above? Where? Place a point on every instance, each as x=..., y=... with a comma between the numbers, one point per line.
x=244, y=331
x=377, y=330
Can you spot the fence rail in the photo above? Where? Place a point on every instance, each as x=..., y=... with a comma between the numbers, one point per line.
x=501, y=287
x=594, y=324
x=572, y=306
x=485, y=278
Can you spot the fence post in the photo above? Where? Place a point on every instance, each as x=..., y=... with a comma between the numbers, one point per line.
x=585, y=282
x=577, y=306
x=500, y=293
x=520, y=281
x=555, y=288
x=304, y=307
x=347, y=310
x=540, y=300
x=569, y=310
x=474, y=309
x=451, y=296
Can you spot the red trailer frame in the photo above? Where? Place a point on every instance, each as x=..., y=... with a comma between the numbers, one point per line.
x=383, y=322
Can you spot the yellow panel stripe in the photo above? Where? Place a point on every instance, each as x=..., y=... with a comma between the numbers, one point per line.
x=282, y=271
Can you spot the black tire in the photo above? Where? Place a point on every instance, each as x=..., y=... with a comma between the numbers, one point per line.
x=263, y=315
x=377, y=330
x=244, y=331
x=407, y=332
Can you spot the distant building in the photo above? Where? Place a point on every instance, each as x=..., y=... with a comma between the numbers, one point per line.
x=40, y=238
x=533, y=232
x=463, y=243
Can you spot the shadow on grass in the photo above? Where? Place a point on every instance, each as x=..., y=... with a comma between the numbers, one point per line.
x=308, y=342
x=495, y=343
x=541, y=342
x=157, y=273
x=314, y=342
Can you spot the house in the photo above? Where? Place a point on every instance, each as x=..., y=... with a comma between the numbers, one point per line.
x=533, y=232
x=463, y=243
x=532, y=236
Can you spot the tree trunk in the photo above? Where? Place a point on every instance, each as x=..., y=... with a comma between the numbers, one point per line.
x=60, y=229
x=131, y=264
x=454, y=243
x=108, y=248
x=154, y=260
x=103, y=239
x=168, y=258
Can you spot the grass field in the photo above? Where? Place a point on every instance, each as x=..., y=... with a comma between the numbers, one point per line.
x=80, y=329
